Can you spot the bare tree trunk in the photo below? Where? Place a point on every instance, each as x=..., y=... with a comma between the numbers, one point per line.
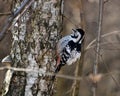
x=34, y=40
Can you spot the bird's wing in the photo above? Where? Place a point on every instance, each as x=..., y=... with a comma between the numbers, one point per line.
x=62, y=43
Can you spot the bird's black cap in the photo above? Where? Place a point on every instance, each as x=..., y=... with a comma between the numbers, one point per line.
x=81, y=31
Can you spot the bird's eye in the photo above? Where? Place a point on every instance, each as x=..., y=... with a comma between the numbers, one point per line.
x=74, y=35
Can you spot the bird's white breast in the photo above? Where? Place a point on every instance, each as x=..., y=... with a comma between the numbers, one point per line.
x=74, y=56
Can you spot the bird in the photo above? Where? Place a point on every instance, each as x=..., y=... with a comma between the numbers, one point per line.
x=68, y=49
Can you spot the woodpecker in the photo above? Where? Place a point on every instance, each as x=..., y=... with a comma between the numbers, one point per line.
x=69, y=49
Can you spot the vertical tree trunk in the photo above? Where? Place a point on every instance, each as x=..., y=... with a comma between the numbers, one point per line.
x=34, y=39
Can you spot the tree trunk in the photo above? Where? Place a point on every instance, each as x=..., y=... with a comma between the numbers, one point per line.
x=34, y=39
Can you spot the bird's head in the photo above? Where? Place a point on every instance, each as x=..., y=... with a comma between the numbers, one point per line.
x=77, y=35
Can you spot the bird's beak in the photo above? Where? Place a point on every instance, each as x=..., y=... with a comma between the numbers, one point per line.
x=73, y=30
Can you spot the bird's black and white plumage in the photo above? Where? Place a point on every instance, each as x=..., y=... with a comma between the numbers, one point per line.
x=69, y=49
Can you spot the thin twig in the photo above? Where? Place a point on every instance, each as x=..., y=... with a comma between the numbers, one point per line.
x=37, y=71
x=5, y=13
x=67, y=18
x=107, y=43
x=95, y=66
x=82, y=15
x=50, y=74
x=15, y=16
x=104, y=35
x=107, y=68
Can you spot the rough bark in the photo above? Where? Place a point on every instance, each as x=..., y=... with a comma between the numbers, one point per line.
x=34, y=40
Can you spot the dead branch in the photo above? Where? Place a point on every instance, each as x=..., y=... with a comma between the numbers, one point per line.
x=5, y=13
x=95, y=66
x=107, y=68
x=15, y=16
x=78, y=70
x=91, y=44
x=36, y=71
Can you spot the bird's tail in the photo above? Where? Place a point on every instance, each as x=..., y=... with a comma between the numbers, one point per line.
x=56, y=71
